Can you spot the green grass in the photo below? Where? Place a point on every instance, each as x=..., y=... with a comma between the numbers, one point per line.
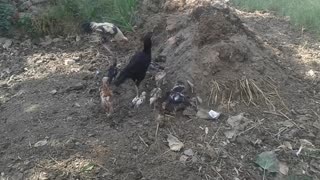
x=65, y=16
x=6, y=12
x=302, y=13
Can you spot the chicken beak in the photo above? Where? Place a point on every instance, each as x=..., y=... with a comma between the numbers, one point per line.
x=125, y=39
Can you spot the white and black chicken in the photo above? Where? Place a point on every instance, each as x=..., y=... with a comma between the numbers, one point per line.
x=108, y=31
x=175, y=98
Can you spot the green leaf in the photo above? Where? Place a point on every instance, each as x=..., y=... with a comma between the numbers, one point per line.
x=268, y=161
x=298, y=177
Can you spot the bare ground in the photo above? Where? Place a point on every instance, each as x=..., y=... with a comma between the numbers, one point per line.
x=225, y=53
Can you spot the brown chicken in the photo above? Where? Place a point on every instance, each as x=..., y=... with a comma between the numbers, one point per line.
x=106, y=96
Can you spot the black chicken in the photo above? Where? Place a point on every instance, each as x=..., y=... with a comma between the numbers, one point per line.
x=138, y=65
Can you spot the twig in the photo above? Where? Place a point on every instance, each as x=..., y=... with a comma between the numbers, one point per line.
x=208, y=176
x=217, y=172
x=316, y=114
x=40, y=121
x=55, y=160
x=273, y=113
x=143, y=141
x=157, y=129
x=252, y=127
x=282, y=102
x=160, y=155
x=289, y=119
x=229, y=101
x=281, y=115
x=213, y=137
x=101, y=167
x=210, y=95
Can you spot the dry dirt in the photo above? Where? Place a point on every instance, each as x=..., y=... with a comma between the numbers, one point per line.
x=52, y=126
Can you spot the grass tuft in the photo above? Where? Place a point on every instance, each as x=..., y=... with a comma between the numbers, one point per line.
x=303, y=14
x=64, y=17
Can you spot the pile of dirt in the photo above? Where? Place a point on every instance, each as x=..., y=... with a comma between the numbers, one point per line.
x=210, y=46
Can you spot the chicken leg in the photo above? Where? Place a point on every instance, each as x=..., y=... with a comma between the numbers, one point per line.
x=137, y=90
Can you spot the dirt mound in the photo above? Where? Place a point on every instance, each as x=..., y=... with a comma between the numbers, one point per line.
x=210, y=45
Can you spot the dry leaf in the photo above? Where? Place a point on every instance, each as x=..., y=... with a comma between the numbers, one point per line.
x=234, y=121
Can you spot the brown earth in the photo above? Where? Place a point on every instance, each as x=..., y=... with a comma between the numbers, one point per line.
x=239, y=62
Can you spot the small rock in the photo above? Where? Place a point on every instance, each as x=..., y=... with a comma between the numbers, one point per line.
x=47, y=41
x=7, y=44
x=69, y=118
x=230, y=134
x=199, y=99
x=76, y=87
x=91, y=135
x=283, y=168
x=188, y=152
x=311, y=73
x=188, y=112
x=174, y=143
x=78, y=38
x=194, y=159
x=183, y=158
x=56, y=40
x=77, y=105
x=53, y=92
x=43, y=176
x=242, y=140
x=205, y=73
x=135, y=148
x=41, y=143
x=287, y=145
x=69, y=61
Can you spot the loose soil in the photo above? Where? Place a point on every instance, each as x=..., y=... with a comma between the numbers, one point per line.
x=239, y=62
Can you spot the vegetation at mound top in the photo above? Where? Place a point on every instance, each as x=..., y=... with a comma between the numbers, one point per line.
x=303, y=14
